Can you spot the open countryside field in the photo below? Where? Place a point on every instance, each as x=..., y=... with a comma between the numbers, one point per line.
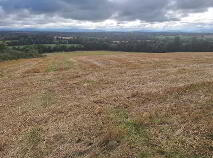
x=107, y=105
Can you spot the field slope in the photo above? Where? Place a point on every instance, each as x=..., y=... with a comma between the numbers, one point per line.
x=107, y=105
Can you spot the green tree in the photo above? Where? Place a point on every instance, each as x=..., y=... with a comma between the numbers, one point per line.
x=2, y=46
x=177, y=43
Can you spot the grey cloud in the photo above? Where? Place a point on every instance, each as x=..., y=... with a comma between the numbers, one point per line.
x=73, y=9
x=149, y=10
x=193, y=5
x=97, y=10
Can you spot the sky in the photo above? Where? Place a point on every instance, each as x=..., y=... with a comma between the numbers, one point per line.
x=110, y=15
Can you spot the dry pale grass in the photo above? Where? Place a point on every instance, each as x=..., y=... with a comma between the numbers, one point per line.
x=107, y=105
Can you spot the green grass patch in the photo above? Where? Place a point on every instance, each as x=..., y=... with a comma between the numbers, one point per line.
x=33, y=137
x=60, y=65
x=31, y=144
x=39, y=101
x=135, y=132
x=88, y=82
x=145, y=155
x=48, y=98
x=52, y=68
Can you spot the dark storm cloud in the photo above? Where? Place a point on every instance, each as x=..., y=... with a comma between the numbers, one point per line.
x=73, y=9
x=95, y=10
x=193, y=5
x=148, y=10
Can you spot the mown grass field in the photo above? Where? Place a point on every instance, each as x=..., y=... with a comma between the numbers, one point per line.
x=107, y=105
x=47, y=45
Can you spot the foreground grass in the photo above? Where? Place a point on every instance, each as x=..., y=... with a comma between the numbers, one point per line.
x=169, y=131
x=107, y=105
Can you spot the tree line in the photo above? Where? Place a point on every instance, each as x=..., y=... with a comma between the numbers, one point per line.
x=7, y=53
x=27, y=45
